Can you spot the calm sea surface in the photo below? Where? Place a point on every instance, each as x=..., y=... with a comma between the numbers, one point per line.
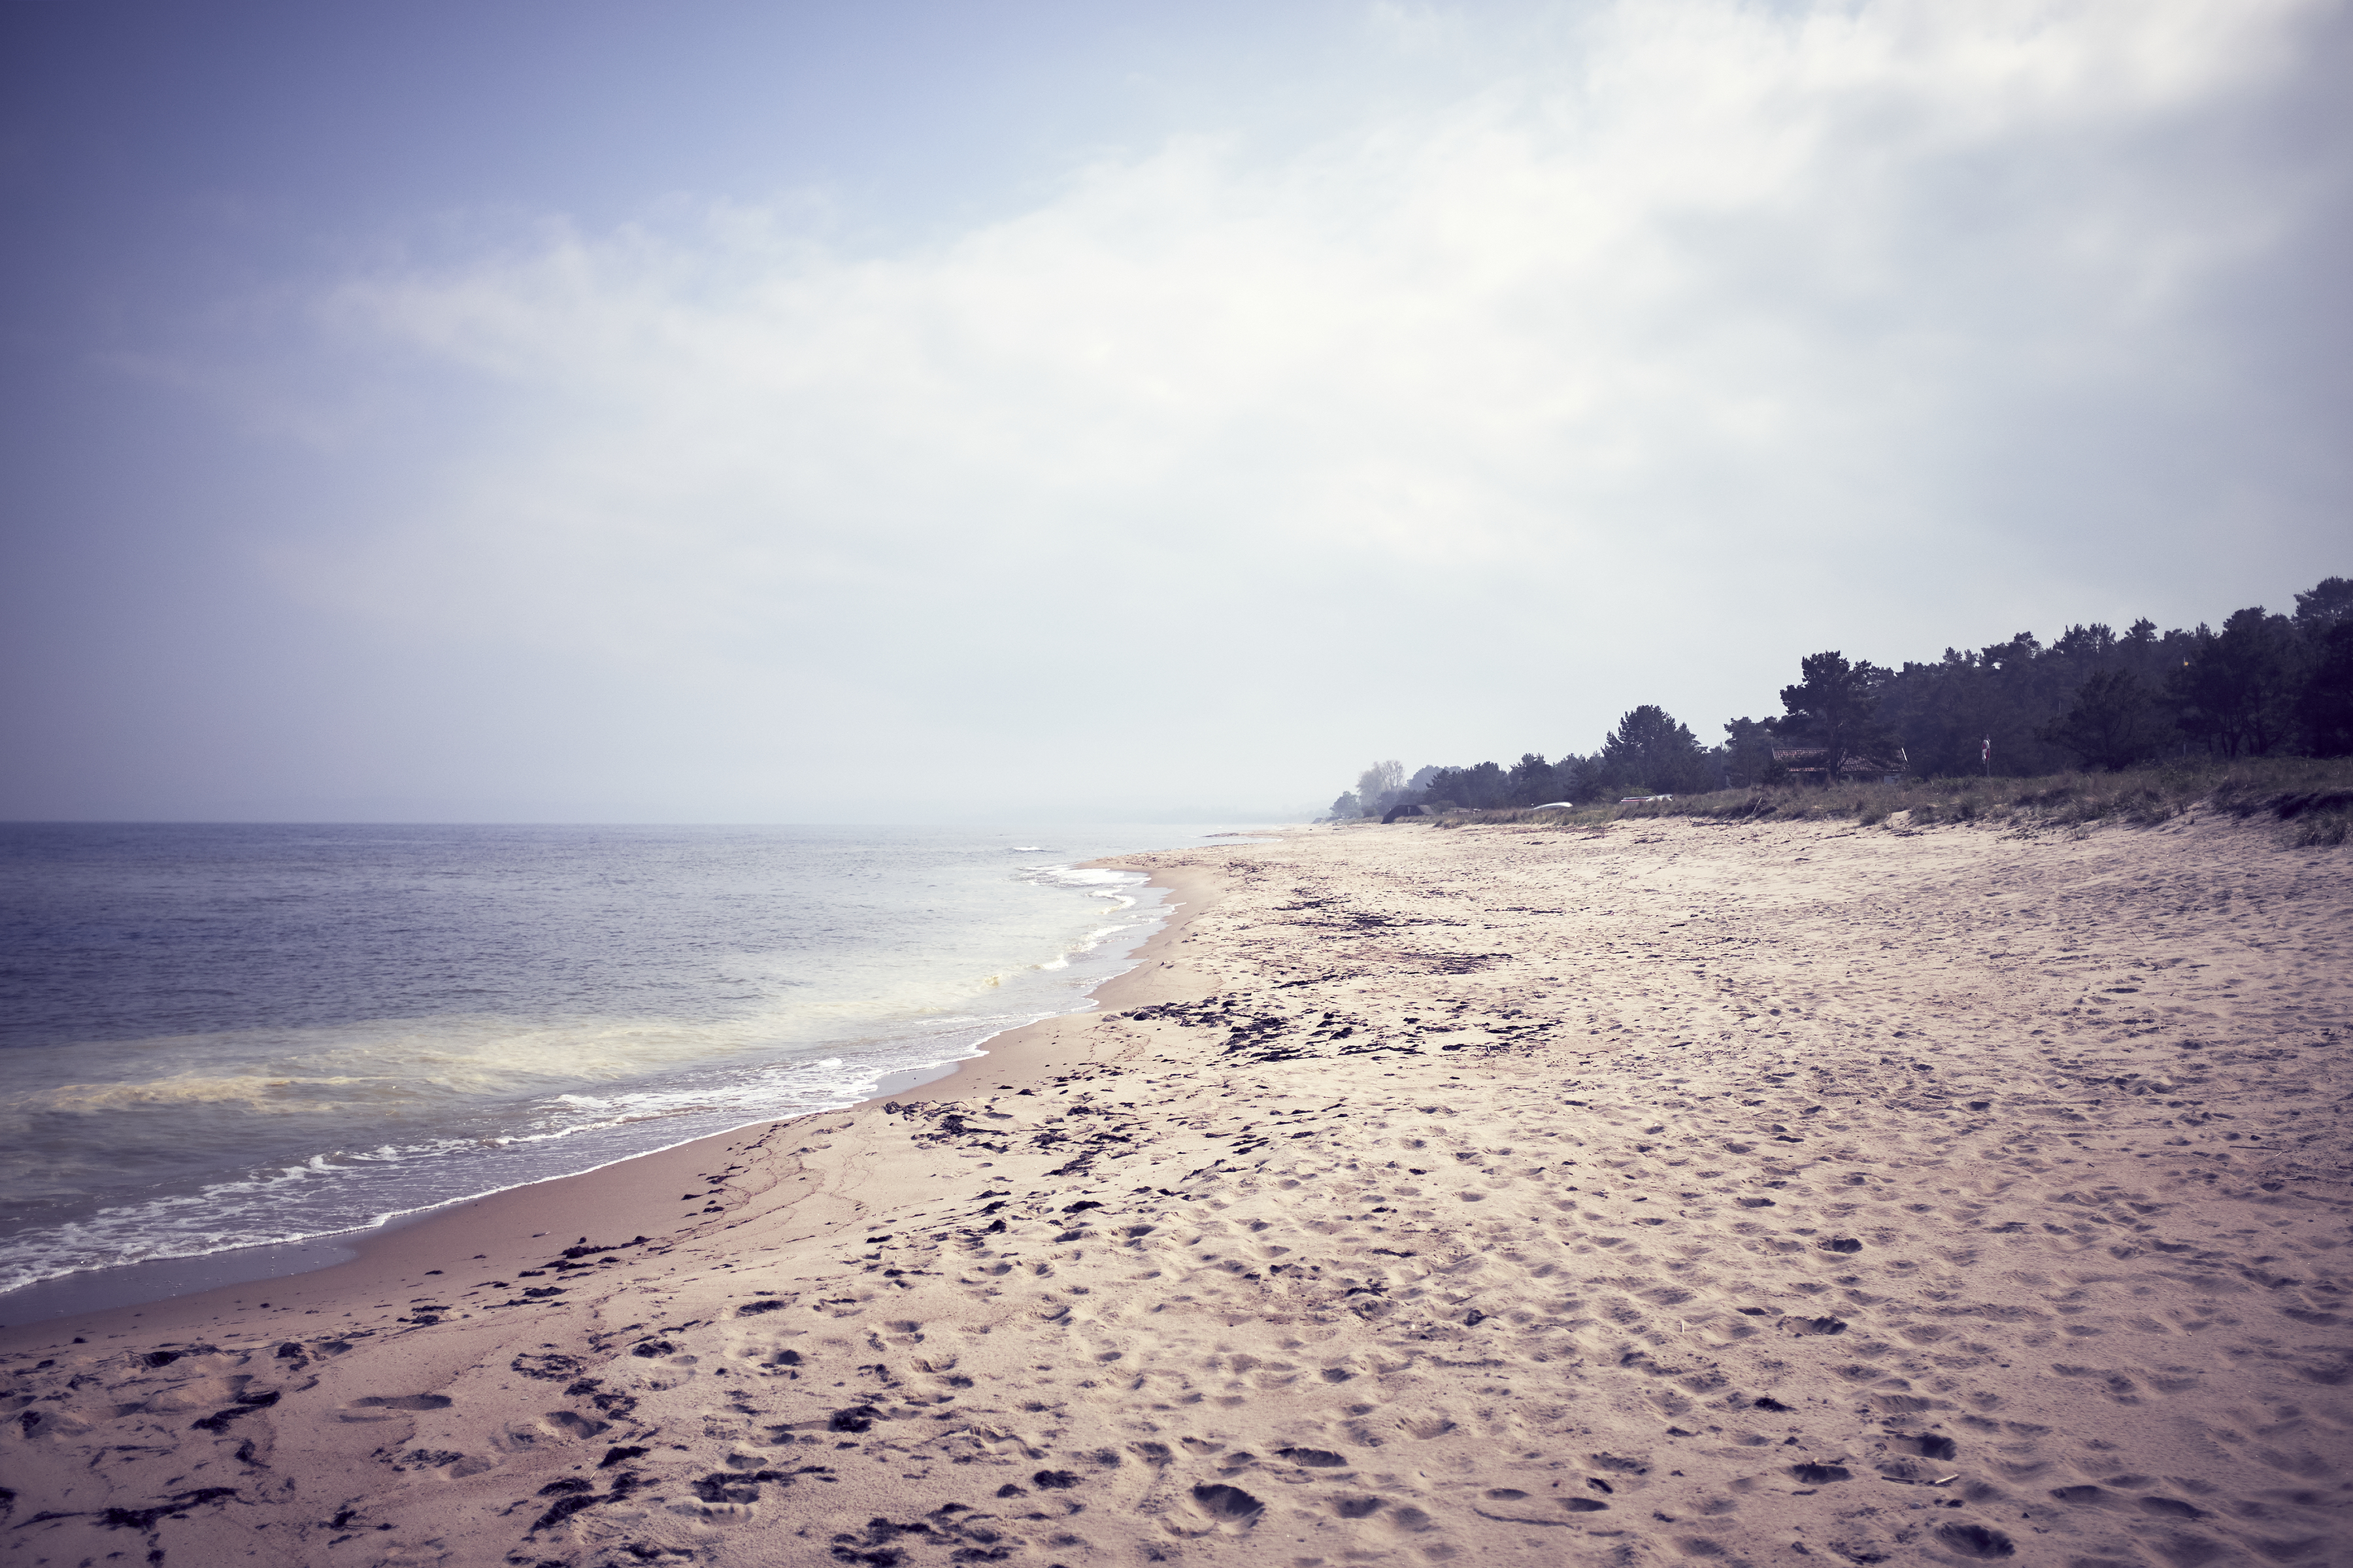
x=214, y=1037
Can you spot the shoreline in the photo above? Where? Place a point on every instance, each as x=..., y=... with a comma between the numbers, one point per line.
x=250, y=1271
x=1675, y=1191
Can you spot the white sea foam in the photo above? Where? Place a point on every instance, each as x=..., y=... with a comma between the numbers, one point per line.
x=1083, y=876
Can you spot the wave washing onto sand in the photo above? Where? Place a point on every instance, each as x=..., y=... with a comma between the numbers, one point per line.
x=510, y=1141
x=349, y=1188
x=1101, y=884
x=177, y=1146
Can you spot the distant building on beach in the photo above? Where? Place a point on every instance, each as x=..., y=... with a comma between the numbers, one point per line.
x=1812, y=765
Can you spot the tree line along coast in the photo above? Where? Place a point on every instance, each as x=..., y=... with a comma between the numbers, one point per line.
x=2264, y=685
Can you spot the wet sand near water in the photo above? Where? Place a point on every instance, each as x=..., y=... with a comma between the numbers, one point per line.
x=1673, y=1193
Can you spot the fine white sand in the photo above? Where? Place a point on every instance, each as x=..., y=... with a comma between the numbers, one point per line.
x=1676, y=1193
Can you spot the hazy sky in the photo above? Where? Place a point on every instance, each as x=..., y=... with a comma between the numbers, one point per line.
x=573, y=410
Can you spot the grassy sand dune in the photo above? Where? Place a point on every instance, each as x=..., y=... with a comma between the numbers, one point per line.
x=1678, y=1190
x=2312, y=799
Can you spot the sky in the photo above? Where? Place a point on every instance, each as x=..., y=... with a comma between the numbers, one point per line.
x=523, y=411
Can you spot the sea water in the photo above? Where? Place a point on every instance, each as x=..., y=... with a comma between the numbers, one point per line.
x=224, y=1037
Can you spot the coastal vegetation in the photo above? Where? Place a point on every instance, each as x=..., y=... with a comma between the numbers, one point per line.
x=2044, y=730
x=2311, y=798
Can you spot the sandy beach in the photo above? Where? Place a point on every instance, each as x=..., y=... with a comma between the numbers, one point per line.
x=1672, y=1192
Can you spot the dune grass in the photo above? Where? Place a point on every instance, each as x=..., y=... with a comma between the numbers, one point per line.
x=2311, y=799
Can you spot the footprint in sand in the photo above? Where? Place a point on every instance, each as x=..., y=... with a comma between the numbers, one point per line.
x=390, y=1407
x=1510, y=1505
x=1975, y=1540
x=1218, y=1508
x=1313, y=1458
x=2100, y=1497
x=197, y=1394
x=550, y=1368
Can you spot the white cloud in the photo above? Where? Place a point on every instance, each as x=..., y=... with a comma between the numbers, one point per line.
x=1690, y=337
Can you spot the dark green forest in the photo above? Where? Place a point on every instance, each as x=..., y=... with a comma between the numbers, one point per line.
x=2263, y=685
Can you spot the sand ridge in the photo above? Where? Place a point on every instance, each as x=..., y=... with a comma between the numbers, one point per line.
x=1676, y=1193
